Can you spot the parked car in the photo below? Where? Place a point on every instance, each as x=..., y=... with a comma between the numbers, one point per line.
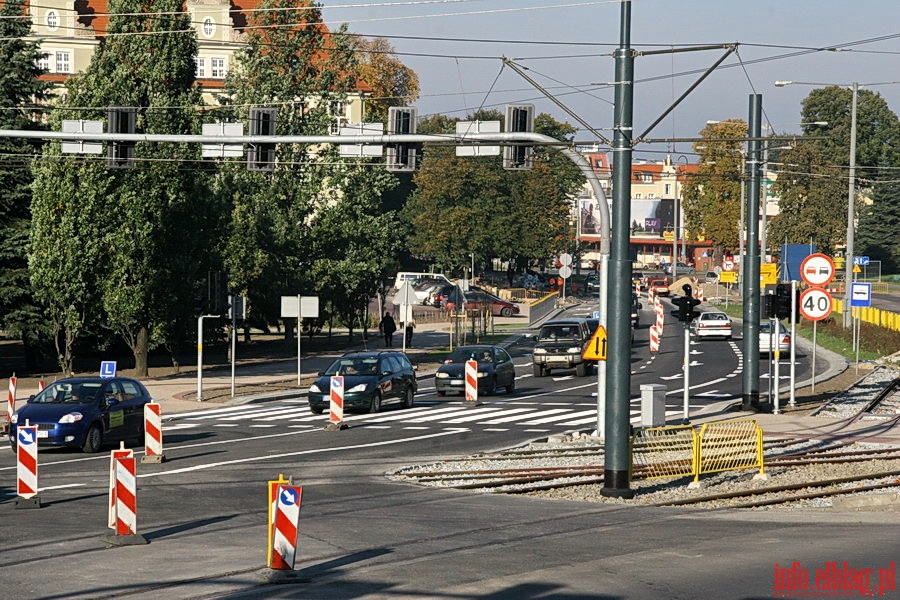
x=559, y=345
x=778, y=338
x=495, y=370
x=660, y=287
x=371, y=380
x=85, y=412
x=592, y=283
x=483, y=301
x=427, y=290
x=408, y=276
x=712, y=324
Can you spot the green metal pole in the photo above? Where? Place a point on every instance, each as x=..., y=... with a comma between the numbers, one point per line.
x=750, y=398
x=616, y=475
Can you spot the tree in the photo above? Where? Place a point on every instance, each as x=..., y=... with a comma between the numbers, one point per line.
x=20, y=93
x=472, y=205
x=879, y=222
x=391, y=82
x=141, y=234
x=712, y=196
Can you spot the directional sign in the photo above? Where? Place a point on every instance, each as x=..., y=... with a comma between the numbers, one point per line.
x=596, y=348
x=861, y=260
x=817, y=269
x=815, y=303
x=108, y=368
x=861, y=294
x=728, y=277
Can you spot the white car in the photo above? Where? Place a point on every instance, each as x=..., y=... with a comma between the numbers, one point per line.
x=712, y=324
x=780, y=340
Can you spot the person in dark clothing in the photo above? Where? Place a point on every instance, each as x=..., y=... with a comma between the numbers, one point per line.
x=387, y=326
x=408, y=332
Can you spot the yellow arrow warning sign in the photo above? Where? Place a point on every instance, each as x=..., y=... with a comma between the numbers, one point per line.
x=596, y=348
x=856, y=269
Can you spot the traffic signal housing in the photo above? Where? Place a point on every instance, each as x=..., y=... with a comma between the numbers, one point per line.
x=120, y=119
x=783, y=302
x=686, y=305
x=401, y=156
x=519, y=119
x=261, y=156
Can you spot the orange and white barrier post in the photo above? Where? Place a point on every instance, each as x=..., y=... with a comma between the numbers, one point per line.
x=126, y=505
x=153, y=443
x=11, y=407
x=470, y=373
x=122, y=452
x=654, y=339
x=286, y=527
x=699, y=293
x=41, y=386
x=27, y=467
x=336, y=404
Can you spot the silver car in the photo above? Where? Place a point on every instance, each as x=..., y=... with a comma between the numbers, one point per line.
x=777, y=339
x=712, y=323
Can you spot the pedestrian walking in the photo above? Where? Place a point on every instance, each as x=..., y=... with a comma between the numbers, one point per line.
x=387, y=326
x=408, y=332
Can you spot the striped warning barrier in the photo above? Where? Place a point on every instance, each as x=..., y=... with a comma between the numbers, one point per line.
x=336, y=413
x=286, y=526
x=699, y=293
x=122, y=452
x=153, y=444
x=41, y=386
x=11, y=408
x=654, y=339
x=126, y=497
x=27, y=461
x=471, y=375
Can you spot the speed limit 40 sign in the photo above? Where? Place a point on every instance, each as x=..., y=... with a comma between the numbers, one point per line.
x=815, y=303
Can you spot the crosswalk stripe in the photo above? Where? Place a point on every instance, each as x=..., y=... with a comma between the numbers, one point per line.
x=477, y=417
x=560, y=417
x=511, y=417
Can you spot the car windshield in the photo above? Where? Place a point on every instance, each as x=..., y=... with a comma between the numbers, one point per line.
x=766, y=327
x=461, y=355
x=353, y=366
x=69, y=393
x=560, y=332
x=715, y=317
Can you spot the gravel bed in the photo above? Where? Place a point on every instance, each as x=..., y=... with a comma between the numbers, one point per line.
x=850, y=403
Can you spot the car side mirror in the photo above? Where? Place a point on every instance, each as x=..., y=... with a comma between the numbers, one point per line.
x=110, y=402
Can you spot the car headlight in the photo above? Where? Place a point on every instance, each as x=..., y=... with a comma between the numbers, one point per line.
x=482, y=374
x=442, y=375
x=315, y=389
x=574, y=350
x=540, y=351
x=72, y=417
x=14, y=418
x=358, y=388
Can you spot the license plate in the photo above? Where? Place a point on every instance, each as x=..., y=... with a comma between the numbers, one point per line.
x=456, y=382
x=43, y=434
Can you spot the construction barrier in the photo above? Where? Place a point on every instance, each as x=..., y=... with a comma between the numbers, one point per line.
x=122, y=452
x=665, y=451
x=336, y=412
x=729, y=445
x=540, y=308
x=153, y=443
x=700, y=293
x=471, y=377
x=654, y=338
x=27, y=465
x=870, y=314
x=285, y=527
x=126, y=496
x=11, y=408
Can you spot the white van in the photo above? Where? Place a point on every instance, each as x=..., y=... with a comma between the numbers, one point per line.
x=410, y=276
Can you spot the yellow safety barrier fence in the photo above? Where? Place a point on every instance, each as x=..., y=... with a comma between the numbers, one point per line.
x=875, y=316
x=729, y=445
x=677, y=451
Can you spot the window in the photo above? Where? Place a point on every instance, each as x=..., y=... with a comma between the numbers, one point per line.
x=44, y=62
x=52, y=20
x=336, y=109
x=209, y=27
x=647, y=178
x=668, y=189
x=201, y=66
x=217, y=68
x=651, y=196
x=637, y=196
x=63, y=60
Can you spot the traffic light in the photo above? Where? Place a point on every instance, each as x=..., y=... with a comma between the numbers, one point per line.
x=519, y=119
x=783, y=302
x=769, y=307
x=261, y=156
x=686, y=304
x=120, y=155
x=237, y=308
x=401, y=156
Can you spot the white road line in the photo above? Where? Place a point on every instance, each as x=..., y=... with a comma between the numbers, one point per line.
x=510, y=411
x=540, y=413
x=560, y=417
x=478, y=417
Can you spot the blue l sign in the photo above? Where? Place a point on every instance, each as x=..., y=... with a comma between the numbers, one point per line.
x=108, y=368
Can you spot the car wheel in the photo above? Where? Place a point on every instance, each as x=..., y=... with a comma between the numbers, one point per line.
x=316, y=410
x=538, y=370
x=409, y=398
x=581, y=369
x=506, y=311
x=442, y=392
x=376, y=403
x=511, y=388
x=93, y=440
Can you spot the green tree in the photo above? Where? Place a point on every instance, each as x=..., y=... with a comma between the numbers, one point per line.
x=20, y=89
x=712, y=196
x=879, y=222
x=465, y=205
x=144, y=232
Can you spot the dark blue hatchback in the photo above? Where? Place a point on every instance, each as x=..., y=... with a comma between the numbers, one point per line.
x=85, y=412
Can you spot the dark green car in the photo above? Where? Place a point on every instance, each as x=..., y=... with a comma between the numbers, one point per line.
x=371, y=380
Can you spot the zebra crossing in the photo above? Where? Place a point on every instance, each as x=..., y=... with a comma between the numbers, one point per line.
x=507, y=415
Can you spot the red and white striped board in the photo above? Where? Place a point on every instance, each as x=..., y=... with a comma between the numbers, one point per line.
x=660, y=315
x=27, y=461
x=471, y=376
x=699, y=293
x=41, y=386
x=153, y=443
x=126, y=496
x=286, y=527
x=11, y=408
x=122, y=452
x=650, y=295
x=654, y=339
x=336, y=413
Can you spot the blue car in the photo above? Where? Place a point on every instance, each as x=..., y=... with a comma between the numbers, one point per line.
x=85, y=412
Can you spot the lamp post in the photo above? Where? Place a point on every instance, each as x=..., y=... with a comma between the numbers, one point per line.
x=678, y=208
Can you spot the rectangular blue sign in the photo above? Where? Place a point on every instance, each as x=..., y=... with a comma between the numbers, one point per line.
x=861, y=294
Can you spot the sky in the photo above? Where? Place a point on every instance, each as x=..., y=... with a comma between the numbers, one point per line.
x=457, y=47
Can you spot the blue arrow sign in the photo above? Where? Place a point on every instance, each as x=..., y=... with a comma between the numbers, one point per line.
x=861, y=260
x=108, y=368
x=26, y=437
x=288, y=496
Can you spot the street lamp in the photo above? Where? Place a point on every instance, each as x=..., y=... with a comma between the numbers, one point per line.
x=676, y=217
